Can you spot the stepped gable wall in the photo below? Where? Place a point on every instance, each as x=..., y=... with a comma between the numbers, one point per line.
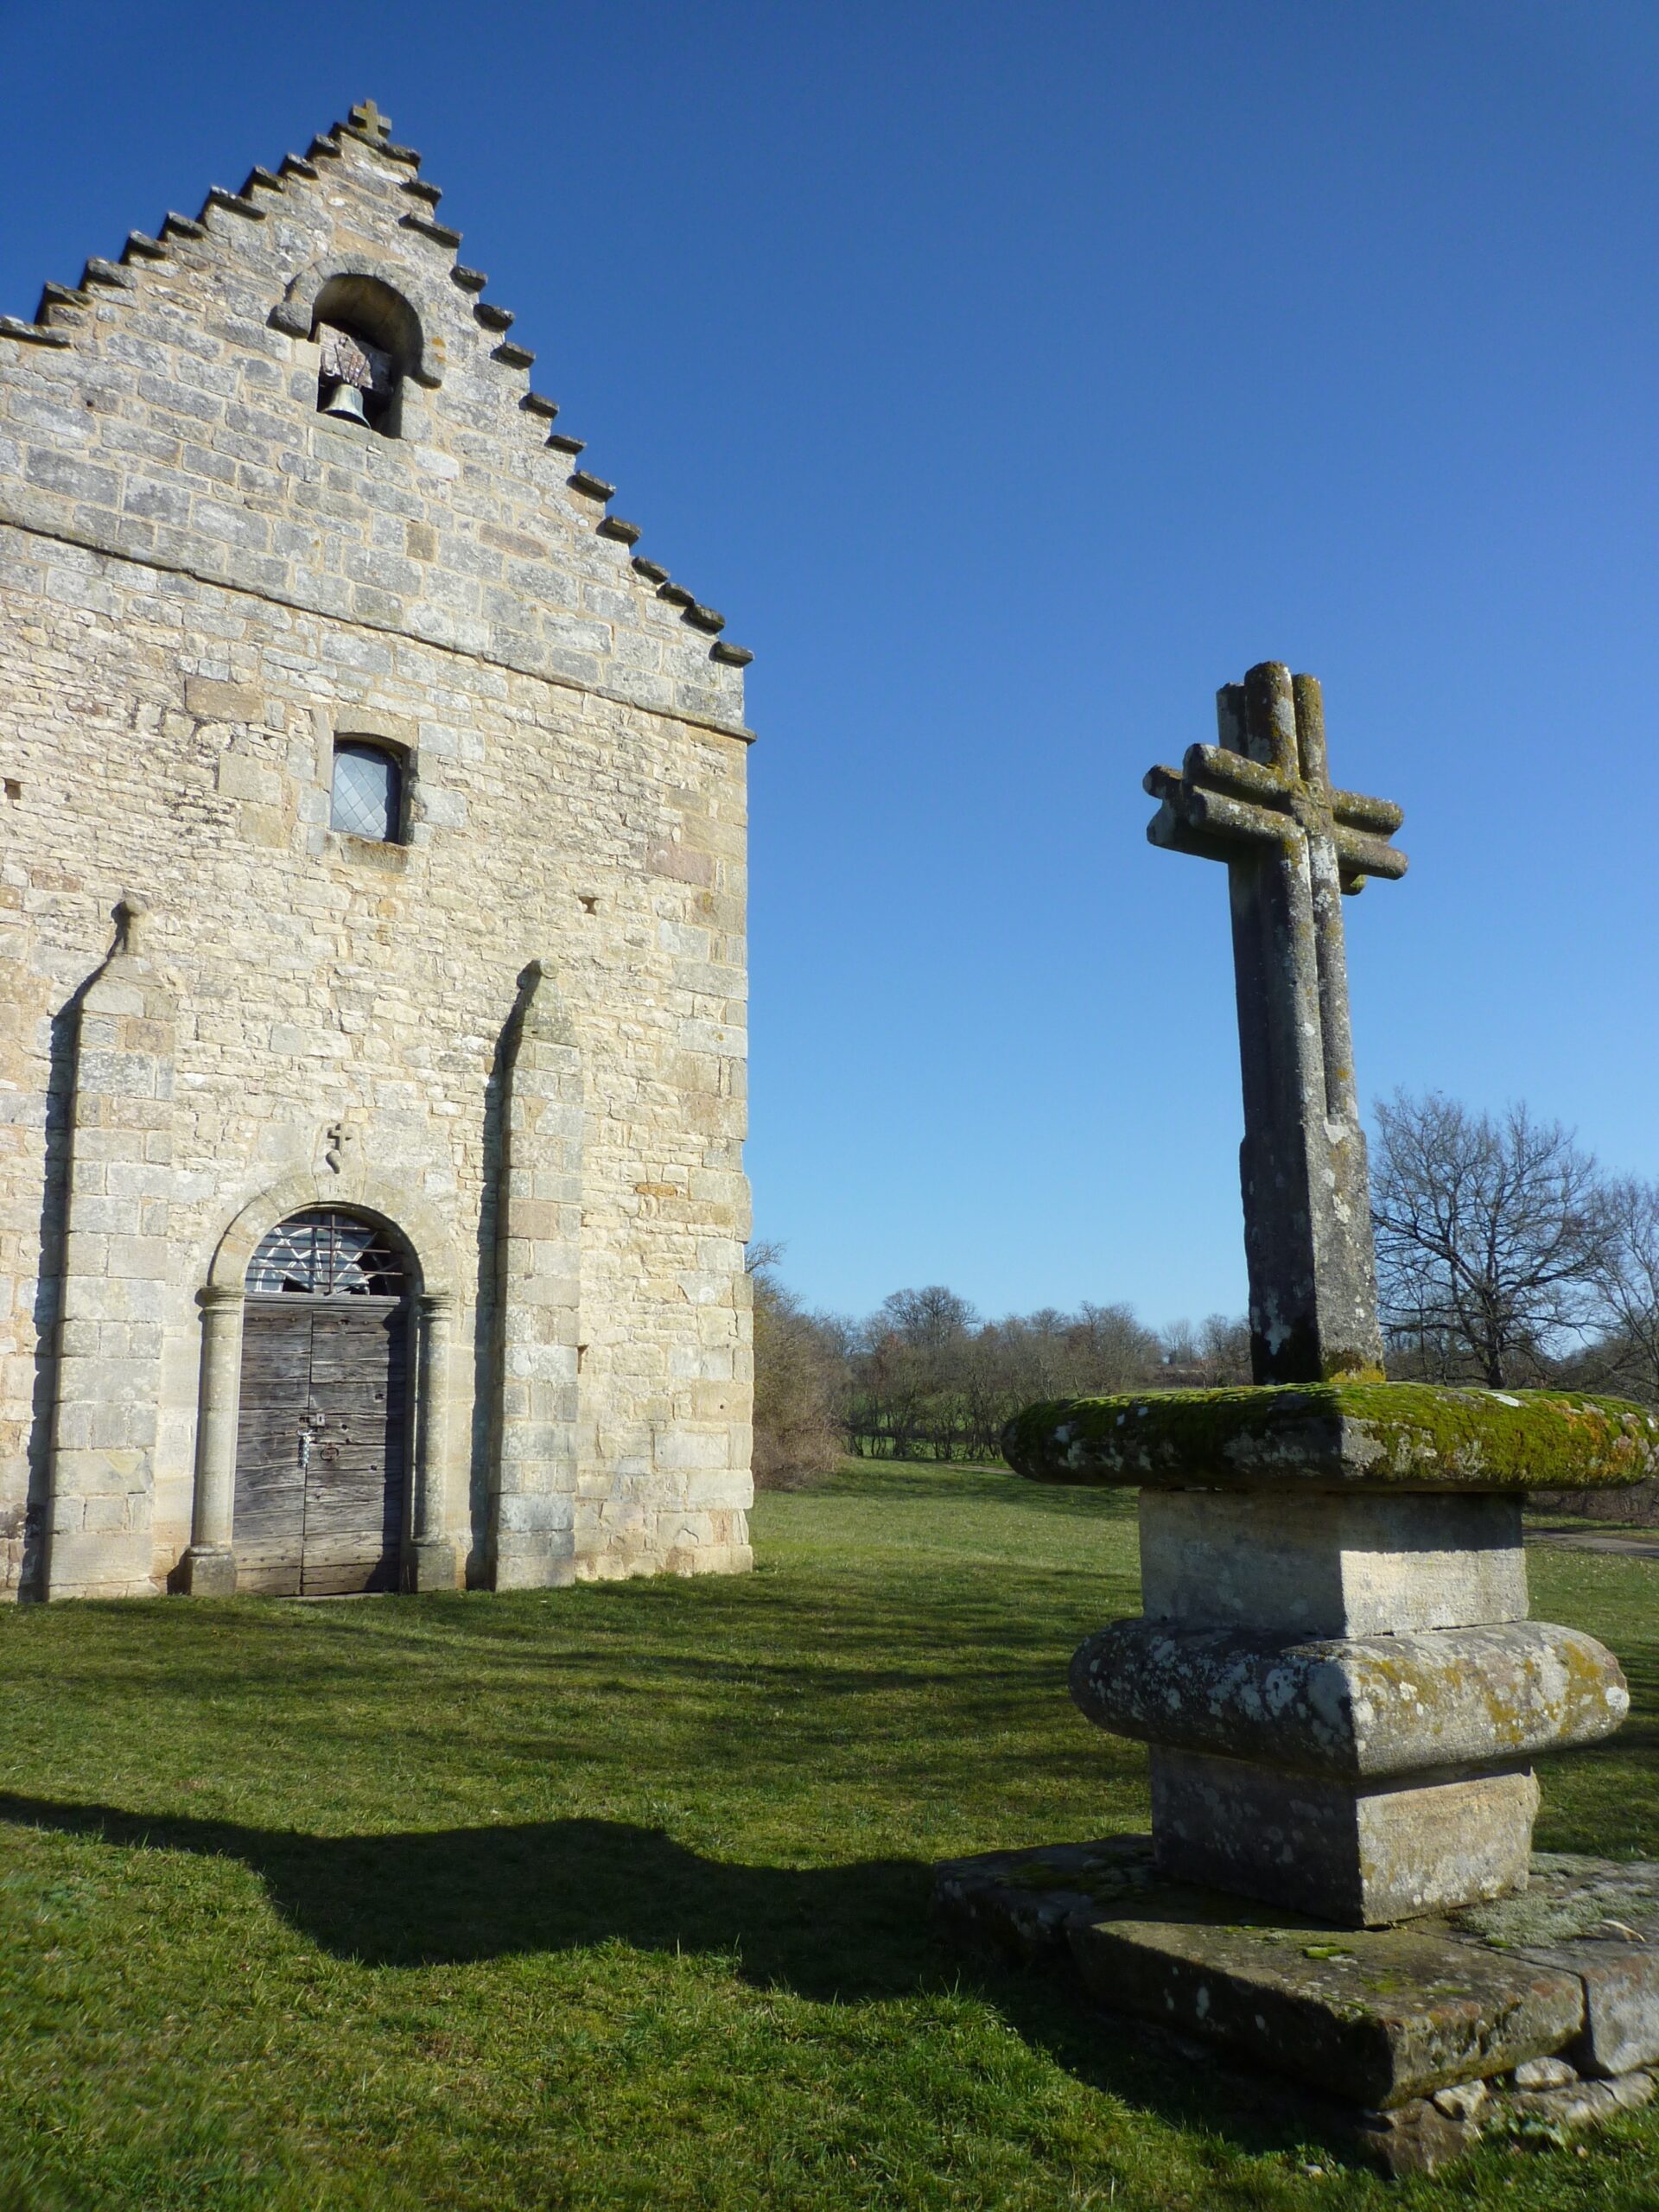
x=204, y=583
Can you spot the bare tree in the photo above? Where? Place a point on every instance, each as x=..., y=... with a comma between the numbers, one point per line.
x=1225, y=1350
x=799, y=1382
x=933, y=1319
x=1491, y=1234
x=1210, y=1356
x=1627, y=1284
x=925, y=1343
x=1109, y=1349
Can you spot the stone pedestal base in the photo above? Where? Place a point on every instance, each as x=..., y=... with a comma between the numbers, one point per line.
x=1362, y=1856
x=209, y=1571
x=430, y=1566
x=1541, y=2006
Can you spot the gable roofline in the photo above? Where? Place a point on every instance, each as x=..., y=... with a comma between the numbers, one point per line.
x=63, y=311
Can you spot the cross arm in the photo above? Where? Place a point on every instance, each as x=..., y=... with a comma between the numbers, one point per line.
x=1356, y=812
x=1359, y=855
x=1212, y=824
x=1217, y=768
x=1221, y=798
x=1236, y=771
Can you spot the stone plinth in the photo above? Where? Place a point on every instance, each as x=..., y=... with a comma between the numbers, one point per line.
x=1325, y=1563
x=1335, y=1673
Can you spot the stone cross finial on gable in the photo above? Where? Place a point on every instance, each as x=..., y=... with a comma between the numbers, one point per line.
x=1262, y=800
x=367, y=119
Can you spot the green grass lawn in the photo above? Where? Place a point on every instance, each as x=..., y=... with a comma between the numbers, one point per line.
x=617, y=1896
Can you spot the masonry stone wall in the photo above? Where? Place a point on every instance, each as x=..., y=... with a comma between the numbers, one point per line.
x=203, y=583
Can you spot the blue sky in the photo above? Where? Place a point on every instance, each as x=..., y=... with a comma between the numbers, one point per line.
x=1012, y=377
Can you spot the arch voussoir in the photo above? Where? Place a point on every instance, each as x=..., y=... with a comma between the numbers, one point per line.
x=418, y=1224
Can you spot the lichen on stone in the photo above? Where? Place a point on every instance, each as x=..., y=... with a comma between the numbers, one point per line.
x=1400, y=1435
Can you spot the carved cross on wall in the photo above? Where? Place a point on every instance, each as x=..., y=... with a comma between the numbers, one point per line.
x=1262, y=800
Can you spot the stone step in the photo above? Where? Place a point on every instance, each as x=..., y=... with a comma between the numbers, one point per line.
x=1567, y=1968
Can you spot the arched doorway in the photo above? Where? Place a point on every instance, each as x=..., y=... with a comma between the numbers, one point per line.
x=323, y=1429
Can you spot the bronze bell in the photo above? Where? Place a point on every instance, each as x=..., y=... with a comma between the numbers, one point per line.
x=345, y=405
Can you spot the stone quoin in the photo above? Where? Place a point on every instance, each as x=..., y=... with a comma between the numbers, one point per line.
x=372, y=907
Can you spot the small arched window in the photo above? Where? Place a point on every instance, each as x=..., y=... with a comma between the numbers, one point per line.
x=368, y=791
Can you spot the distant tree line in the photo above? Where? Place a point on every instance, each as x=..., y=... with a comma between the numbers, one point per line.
x=926, y=1377
x=1506, y=1256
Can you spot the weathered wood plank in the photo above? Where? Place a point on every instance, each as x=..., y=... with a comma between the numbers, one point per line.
x=269, y=1510
x=355, y=1483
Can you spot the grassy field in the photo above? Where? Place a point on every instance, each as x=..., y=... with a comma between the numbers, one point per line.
x=617, y=1897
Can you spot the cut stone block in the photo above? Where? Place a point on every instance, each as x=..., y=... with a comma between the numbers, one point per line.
x=1356, y=2012
x=1361, y=1709
x=1621, y=2002
x=1363, y=1857
x=430, y=1565
x=1376, y=2017
x=209, y=1571
x=1571, y=1895
x=1582, y=2103
x=1330, y=1563
x=1599, y=1920
x=1023, y=1902
x=1418, y=2138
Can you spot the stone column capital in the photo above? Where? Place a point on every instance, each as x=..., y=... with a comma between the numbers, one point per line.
x=437, y=1305
x=218, y=1295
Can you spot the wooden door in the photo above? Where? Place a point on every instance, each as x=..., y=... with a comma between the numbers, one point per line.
x=354, y=1478
x=269, y=1526
x=321, y=1444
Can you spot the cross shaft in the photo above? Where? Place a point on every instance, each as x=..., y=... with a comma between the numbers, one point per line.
x=1262, y=802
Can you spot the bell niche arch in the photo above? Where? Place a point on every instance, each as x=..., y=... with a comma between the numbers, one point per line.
x=369, y=338
x=325, y=1409
x=374, y=328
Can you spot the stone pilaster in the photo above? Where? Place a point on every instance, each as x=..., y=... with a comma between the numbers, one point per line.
x=538, y=1242
x=429, y=1563
x=209, y=1569
x=115, y=1271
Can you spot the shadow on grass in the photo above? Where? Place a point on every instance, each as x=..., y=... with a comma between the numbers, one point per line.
x=833, y=1935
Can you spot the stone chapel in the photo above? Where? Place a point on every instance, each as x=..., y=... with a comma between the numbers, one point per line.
x=371, y=923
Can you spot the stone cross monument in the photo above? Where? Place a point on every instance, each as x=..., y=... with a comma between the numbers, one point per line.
x=1261, y=801
x=1335, y=1672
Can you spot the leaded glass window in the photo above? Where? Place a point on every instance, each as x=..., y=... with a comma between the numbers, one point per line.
x=320, y=1254
x=368, y=791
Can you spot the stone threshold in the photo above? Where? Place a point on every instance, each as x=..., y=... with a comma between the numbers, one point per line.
x=1538, y=2013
